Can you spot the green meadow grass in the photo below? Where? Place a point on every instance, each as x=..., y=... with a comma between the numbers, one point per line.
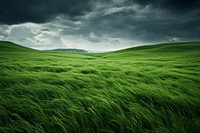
x=143, y=89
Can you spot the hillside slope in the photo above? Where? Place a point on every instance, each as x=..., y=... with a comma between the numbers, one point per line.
x=12, y=47
x=143, y=89
x=168, y=48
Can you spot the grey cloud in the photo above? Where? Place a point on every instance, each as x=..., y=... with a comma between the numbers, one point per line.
x=177, y=6
x=4, y=31
x=105, y=24
x=39, y=11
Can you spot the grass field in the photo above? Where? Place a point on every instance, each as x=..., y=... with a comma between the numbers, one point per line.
x=144, y=89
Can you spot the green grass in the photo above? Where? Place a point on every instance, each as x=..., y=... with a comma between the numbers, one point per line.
x=144, y=89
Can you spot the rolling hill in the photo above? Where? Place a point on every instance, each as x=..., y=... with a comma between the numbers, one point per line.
x=71, y=50
x=12, y=47
x=143, y=89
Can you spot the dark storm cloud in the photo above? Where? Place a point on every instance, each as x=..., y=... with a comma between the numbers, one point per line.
x=149, y=21
x=95, y=24
x=39, y=11
x=172, y=5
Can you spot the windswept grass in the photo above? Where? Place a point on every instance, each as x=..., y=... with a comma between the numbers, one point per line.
x=143, y=89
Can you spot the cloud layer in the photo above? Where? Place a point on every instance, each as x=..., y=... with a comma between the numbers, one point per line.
x=98, y=25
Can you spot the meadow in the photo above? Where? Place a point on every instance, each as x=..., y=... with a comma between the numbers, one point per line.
x=143, y=89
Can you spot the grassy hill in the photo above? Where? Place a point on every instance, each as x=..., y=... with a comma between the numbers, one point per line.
x=143, y=89
x=12, y=47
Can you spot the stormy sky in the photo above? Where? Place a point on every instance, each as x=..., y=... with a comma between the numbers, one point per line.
x=100, y=25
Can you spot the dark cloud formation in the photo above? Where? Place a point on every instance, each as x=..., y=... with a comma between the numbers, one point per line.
x=99, y=24
x=145, y=20
x=39, y=11
x=173, y=5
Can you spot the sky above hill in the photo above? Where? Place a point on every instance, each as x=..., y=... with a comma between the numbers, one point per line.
x=100, y=25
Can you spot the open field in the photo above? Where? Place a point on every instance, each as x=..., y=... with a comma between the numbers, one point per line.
x=143, y=89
